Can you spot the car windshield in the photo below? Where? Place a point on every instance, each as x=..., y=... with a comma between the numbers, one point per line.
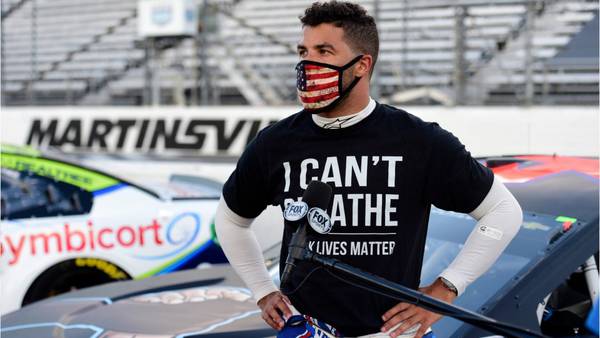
x=446, y=235
x=25, y=195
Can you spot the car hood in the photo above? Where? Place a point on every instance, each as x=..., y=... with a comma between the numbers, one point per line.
x=203, y=302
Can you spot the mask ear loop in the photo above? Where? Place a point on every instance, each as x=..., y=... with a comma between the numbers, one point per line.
x=341, y=76
x=349, y=89
x=352, y=62
x=326, y=65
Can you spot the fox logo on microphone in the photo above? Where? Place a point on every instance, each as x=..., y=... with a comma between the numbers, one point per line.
x=295, y=211
x=319, y=220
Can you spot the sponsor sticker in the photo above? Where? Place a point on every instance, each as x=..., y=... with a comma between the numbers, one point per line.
x=152, y=241
x=490, y=232
x=295, y=211
x=319, y=220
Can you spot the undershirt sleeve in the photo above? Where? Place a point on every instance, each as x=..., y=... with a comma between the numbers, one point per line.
x=243, y=250
x=499, y=219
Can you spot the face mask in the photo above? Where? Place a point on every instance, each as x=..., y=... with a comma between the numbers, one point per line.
x=320, y=86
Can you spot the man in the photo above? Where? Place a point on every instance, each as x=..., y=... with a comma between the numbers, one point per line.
x=386, y=168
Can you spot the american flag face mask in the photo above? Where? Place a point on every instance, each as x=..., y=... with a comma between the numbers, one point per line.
x=320, y=86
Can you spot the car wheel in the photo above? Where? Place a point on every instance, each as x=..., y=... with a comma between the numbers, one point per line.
x=72, y=275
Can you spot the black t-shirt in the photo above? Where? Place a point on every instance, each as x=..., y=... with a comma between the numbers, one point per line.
x=385, y=172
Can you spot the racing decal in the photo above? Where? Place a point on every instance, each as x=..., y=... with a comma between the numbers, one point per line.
x=195, y=295
x=213, y=233
x=23, y=150
x=109, y=189
x=144, y=134
x=179, y=262
x=536, y=166
x=70, y=239
x=179, y=234
x=63, y=172
x=164, y=241
x=567, y=222
x=51, y=327
x=108, y=268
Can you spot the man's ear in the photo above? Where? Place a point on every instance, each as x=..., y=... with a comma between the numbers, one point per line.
x=363, y=66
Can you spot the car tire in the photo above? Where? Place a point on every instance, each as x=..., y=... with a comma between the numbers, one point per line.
x=71, y=275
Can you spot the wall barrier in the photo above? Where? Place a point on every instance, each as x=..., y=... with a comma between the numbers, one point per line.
x=224, y=131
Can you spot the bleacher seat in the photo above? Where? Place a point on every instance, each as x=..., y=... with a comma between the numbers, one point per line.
x=82, y=44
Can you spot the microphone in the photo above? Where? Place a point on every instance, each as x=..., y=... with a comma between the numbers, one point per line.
x=317, y=194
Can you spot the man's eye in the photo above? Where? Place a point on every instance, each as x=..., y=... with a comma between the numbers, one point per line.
x=324, y=51
x=301, y=52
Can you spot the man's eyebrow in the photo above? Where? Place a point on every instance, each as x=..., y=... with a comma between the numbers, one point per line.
x=319, y=46
x=325, y=45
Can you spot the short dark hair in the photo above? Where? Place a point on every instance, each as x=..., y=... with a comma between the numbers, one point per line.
x=360, y=30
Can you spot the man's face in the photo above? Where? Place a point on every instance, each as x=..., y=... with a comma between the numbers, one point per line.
x=325, y=43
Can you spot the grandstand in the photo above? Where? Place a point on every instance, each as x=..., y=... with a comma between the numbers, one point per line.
x=87, y=52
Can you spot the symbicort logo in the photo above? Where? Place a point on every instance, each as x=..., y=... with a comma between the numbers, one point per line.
x=295, y=211
x=180, y=233
x=163, y=242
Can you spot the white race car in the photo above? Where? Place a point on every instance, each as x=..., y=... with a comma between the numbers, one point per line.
x=65, y=226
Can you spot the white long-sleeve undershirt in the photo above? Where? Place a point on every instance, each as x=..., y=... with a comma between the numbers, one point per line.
x=242, y=250
x=499, y=217
x=499, y=213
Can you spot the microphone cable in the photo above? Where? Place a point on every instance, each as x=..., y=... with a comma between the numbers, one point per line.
x=302, y=282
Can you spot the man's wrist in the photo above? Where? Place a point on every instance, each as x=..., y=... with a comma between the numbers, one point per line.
x=443, y=292
x=264, y=298
x=448, y=285
x=263, y=290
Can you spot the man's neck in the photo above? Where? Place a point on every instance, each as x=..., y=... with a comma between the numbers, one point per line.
x=348, y=107
x=345, y=120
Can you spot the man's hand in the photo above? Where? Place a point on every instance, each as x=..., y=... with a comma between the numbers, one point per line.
x=411, y=315
x=270, y=305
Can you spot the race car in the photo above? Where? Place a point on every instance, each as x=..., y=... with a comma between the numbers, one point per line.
x=545, y=281
x=66, y=226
